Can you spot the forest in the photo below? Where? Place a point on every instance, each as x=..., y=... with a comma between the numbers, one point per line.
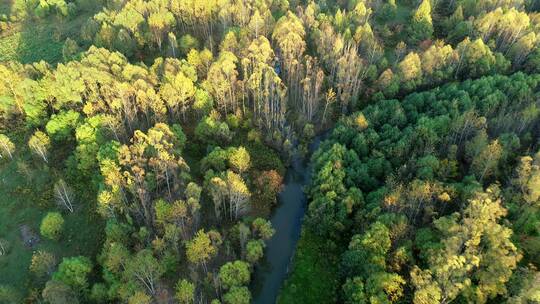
x=147, y=145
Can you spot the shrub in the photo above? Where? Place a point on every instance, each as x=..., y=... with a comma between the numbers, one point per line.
x=51, y=225
x=42, y=263
x=74, y=272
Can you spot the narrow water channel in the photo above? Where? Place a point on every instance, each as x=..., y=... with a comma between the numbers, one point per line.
x=287, y=220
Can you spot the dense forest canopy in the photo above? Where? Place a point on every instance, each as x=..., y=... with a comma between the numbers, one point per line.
x=438, y=192
x=143, y=144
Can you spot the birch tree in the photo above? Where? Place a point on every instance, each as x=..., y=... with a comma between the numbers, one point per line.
x=177, y=93
x=311, y=88
x=145, y=270
x=289, y=36
x=264, y=86
x=350, y=72
x=156, y=151
x=40, y=143
x=160, y=22
x=4, y=247
x=222, y=82
x=65, y=197
x=201, y=249
x=474, y=246
x=239, y=195
x=6, y=147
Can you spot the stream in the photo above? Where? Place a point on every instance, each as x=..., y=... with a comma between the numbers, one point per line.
x=287, y=221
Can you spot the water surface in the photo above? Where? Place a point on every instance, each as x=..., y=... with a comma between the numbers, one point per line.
x=287, y=220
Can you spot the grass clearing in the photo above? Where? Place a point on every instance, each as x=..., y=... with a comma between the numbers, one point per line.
x=5, y=7
x=314, y=277
x=35, y=40
x=29, y=46
x=13, y=8
x=26, y=195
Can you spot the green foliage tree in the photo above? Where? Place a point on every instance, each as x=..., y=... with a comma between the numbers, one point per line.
x=353, y=291
x=56, y=292
x=201, y=249
x=410, y=70
x=61, y=126
x=475, y=246
x=421, y=25
x=70, y=50
x=391, y=189
x=263, y=228
x=178, y=93
x=144, y=270
x=9, y=295
x=233, y=274
x=52, y=225
x=254, y=251
x=160, y=22
x=238, y=195
x=387, y=12
x=475, y=58
x=74, y=272
x=185, y=292
x=187, y=43
x=42, y=263
x=528, y=178
x=222, y=82
x=203, y=102
x=239, y=160
x=212, y=131
x=140, y=297
x=40, y=143
x=237, y=295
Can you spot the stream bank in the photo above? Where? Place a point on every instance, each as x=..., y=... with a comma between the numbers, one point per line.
x=287, y=221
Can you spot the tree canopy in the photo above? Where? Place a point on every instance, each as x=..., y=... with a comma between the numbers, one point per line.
x=144, y=145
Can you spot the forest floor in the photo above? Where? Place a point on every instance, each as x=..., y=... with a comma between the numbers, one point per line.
x=30, y=40
x=9, y=6
x=26, y=195
x=27, y=44
x=26, y=184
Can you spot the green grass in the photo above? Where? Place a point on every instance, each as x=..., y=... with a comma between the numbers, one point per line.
x=314, y=277
x=13, y=8
x=25, y=197
x=20, y=46
x=31, y=42
x=15, y=202
x=5, y=7
x=35, y=40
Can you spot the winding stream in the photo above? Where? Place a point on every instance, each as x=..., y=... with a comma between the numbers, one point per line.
x=287, y=220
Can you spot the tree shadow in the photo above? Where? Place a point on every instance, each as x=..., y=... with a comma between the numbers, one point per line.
x=39, y=41
x=5, y=8
x=44, y=38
